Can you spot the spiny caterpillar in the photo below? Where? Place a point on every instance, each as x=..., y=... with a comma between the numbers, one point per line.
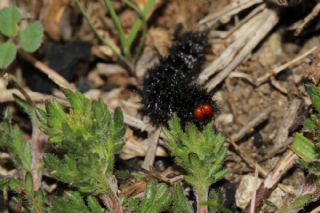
x=169, y=88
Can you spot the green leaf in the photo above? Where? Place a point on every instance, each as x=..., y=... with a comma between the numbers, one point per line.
x=11, y=138
x=200, y=152
x=157, y=197
x=316, y=102
x=304, y=148
x=310, y=124
x=15, y=185
x=28, y=182
x=300, y=202
x=31, y=37
x=71, y=202
x=314, y=92
x=216, y=204
x=23, y=104
x=180, y=202
x=88, y=138
x=9, y=19
x=94, y=205
x=132, y=204
x=118, y=118
x=8, y=53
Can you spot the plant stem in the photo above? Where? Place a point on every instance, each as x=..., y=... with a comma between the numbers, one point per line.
x=145, y=27
x=36, y=155
x=116, y=22
x=112, y=202
x=117, y=54
x=36, y=143
x=138, y=23
x=201, y=198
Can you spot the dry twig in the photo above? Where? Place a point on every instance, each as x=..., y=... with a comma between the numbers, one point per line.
x=245, y=130
x=314, y=13
x=232, y=9
x=262, y=24
x=279, y=69
x=52, y=74
x=150, y=155
x=280, y=142
x=272, y=179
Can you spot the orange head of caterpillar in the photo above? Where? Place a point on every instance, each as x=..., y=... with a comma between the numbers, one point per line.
x=203, y=112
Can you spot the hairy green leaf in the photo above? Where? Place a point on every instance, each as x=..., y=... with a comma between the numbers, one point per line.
x=157, y=197
x=180, y=202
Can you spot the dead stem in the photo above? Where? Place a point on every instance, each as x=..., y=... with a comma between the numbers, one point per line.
x=271, y=181
x=111, y=202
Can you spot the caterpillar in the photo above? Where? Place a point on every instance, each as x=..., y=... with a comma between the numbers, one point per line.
x=169, y=87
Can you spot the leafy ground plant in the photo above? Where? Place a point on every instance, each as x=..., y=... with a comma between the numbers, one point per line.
x=308, y=150
x=126, y=41
x=89, y=136
x=11, y=138
x=11, y=36
x=84, y=139
x=201, y=154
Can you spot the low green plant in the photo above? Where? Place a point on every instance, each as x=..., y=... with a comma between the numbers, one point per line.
x=89, y=138
x=309, y=152
x=11, y=139
x=157, y=197
x=126, y=41
x=12, y=36
x=201, y=154
x=84, y=139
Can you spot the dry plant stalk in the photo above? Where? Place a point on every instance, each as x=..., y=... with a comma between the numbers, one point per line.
x=253, y=33
x=271, y=181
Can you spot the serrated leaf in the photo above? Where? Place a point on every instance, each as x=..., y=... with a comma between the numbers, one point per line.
x=8, y=53
x=23, y=104
x=118, y=118
x=15, y=185
x=28, y=182
x=157, y=197
x=180, y=202
x=94, y=205
x=42, y=117
x=11, y=138
x=71, y=202
x=31, y=37
x=9, y=19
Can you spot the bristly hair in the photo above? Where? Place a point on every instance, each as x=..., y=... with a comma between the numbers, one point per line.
x=169, y=87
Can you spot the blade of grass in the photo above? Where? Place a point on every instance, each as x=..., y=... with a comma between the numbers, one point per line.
x=138, y=24
x=116, y=22
x=102, y=40
x=133, y=6
x=141, y=42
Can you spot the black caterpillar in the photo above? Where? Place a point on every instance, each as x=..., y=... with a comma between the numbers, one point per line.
x=169, y=87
